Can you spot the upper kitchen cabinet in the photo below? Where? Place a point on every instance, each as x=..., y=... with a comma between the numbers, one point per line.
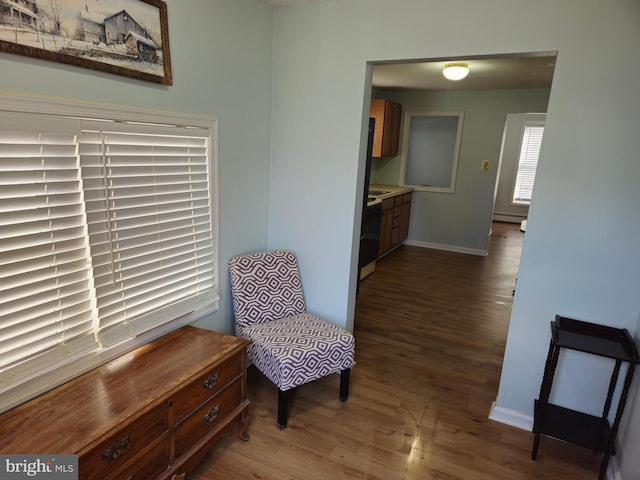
x=386, y=137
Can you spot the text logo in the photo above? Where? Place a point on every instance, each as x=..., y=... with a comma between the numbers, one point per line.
x=49, y=467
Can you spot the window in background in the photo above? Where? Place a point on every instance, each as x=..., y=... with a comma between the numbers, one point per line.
x=528, y=162
x=107, y=236
x=430, y=150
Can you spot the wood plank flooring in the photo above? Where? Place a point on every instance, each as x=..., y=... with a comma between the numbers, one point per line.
x=430, y=334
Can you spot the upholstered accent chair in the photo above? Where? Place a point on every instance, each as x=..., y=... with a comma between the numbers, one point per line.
x=289, y=345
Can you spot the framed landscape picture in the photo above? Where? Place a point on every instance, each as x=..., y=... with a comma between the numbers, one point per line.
x=124, y=37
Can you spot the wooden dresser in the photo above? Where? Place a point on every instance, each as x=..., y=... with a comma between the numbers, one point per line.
x=150, y=414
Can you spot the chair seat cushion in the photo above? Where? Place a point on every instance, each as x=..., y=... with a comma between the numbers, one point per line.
x=299, y=348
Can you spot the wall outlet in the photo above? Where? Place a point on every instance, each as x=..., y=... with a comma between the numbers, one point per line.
x=484, y=165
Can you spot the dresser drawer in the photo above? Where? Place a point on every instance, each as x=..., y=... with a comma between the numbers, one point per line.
x=207, y=385
x=208, y=417
x=149, y=466
x=120, y=447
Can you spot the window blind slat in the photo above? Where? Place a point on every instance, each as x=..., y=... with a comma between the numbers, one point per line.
x=40, y=251
x=22, y=316
x=105, y=270
x=47, y=356
x=74, y=318
x=92, y=129
x=528, y=162
x=44, y=279
x=148, y=211
x=12, y=218
x=144, y=297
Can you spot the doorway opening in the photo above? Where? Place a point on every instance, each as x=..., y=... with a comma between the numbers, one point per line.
x=461, y=220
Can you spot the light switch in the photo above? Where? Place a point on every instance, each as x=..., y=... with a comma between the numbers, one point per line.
x=485, y=165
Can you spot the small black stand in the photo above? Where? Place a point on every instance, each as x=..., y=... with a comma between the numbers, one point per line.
x=575, y=427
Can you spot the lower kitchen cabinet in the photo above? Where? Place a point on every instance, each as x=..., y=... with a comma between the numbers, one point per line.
x=396, y=214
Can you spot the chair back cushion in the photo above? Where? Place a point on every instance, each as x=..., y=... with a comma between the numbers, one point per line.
x=265, y=286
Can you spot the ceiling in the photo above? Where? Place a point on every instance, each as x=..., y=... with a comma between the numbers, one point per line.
x=497, y=72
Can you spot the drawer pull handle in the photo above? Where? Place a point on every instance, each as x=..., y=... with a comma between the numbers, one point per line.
x=117, y=449
x=212, y=415
x=212, y=381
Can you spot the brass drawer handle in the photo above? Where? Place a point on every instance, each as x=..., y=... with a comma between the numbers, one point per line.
x=117, y=449
x=212, y=381
x=212, y=415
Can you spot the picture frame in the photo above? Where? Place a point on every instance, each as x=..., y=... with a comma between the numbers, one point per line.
x=123, y=37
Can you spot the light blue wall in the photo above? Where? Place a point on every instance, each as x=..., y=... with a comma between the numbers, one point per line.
x=218, y=69
x=580, y=254
x=462, y=219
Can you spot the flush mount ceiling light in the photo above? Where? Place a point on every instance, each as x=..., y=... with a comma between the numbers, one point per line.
x=455, y=71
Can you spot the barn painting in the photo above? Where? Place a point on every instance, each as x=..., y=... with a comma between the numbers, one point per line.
x=125, y=37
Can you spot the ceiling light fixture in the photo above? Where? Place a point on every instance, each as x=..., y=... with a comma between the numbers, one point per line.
x=455, y=71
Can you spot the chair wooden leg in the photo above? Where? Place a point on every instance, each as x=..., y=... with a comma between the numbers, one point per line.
x=345, y=375
x=283, y=408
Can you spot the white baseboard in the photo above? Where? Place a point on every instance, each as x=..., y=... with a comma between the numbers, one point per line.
x=525, y=422
x=448, y=248
x=505, y=217
x=511, y=417
x=613, y=471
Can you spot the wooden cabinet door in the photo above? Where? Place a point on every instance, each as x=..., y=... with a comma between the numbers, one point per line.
x=377, y=113
x=391, y=140
x=405, y=216
x=386, y=135
x=386, y=226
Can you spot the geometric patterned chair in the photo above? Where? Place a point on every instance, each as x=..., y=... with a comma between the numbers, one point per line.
x=289, y=346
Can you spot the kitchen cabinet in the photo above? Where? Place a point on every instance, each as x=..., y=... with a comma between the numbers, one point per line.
x=150, y=414
x=385, y=226
x=396, y=214
x=386, y=137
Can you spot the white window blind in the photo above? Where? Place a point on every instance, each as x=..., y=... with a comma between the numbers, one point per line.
x=528, y=162
x=107, y=239
x=45, y=308
x=149, y=218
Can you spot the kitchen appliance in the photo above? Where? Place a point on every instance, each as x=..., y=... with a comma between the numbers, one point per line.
x=371, y=215
x=370, y=233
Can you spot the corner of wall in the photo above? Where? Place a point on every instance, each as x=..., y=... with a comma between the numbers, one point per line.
x=511, y=417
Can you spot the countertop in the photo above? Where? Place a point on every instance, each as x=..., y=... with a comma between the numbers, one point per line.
x=390, y=190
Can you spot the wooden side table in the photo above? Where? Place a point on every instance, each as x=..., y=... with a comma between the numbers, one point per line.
x=576, y=427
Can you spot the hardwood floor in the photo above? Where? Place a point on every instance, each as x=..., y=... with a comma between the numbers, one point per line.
x=430, y=334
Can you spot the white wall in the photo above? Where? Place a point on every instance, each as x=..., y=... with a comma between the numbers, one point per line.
x=580, y=254
x=218, y=69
